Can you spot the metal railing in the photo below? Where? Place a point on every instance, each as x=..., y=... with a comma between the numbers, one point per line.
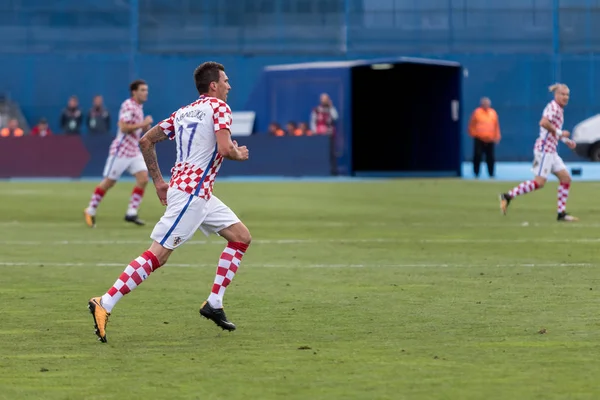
x=300, y=26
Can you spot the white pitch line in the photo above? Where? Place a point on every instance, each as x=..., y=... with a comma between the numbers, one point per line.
x=250, y=265
x=336, y=224
x=196, y=242
x=306, y=241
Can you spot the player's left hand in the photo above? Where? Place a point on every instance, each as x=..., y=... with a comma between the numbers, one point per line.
x=571, y=144
x=148, y=120
x=161, y=191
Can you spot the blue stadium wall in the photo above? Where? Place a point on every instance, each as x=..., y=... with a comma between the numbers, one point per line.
x=85, y=156
x=511, y=52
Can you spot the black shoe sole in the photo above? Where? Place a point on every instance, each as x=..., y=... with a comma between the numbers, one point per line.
x=92, y=308
x=135, y=221
x=208, y=314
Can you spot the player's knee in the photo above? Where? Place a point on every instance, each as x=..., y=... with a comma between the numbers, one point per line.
x=161, y=253
x=237, y=233
x=540, y=183
x=142, y=182
x=243, y=236
x=163, y=258
x=107, y=184
x=246, y=238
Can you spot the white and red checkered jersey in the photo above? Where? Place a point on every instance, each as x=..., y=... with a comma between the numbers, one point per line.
x=194, y=129
x=548, y=142
x=127, y=144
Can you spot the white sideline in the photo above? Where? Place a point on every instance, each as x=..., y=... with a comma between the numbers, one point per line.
x=346, y=224
x=250, y=265
x=565, y=240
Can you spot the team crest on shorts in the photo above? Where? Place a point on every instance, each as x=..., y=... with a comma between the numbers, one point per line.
x=176, y=241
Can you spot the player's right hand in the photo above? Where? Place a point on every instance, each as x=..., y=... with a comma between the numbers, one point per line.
x=148, y=120
x=566, y=133
x=161, y=192
x=243, y=153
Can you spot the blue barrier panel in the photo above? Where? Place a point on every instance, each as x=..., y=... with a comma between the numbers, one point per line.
x=269, y=156
x=283, y=156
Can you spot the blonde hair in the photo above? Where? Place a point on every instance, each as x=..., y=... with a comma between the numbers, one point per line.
x=553, y=88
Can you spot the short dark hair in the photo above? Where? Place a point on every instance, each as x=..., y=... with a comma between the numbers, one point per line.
x=205, y=74
x=135, y=85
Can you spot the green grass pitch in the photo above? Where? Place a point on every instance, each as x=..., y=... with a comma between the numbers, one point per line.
x=400, y=289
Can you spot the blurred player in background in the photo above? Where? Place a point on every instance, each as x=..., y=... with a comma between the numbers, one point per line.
x=202, y=139
x=546, y=159
x=125, y=155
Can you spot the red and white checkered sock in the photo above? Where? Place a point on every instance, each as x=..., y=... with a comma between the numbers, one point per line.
x=563, y=194
x=228, y=266
x=95, y=200
x=522, y=188
x=136, y=272
x=135, y=200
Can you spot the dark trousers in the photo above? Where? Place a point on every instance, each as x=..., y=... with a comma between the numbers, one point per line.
x=332, y=155
x=482, y=148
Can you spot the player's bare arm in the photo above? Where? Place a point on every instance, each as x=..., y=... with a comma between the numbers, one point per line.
x=130, y=128
x=229, y=148
x=546, y=124
x=148, y=148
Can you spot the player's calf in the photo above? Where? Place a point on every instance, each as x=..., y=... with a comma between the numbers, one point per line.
x=238, y=239
x=519, y=190
x=134, y=203
x=134, y=274
x=563, y=194
x=89, y=213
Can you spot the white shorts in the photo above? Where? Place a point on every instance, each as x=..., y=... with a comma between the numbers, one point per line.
x=546, y=163
x=185, y=214
x=115, y=166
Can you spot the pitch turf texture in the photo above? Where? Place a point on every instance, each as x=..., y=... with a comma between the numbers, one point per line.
x=405, y=289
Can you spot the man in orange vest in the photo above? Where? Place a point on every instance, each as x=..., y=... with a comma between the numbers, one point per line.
x=485, y=129
x=12, y=129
